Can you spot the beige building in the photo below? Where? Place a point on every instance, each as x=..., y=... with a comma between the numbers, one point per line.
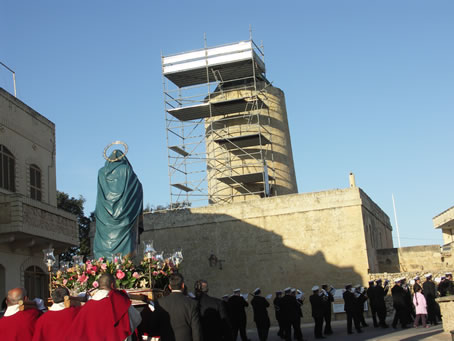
x=445, y=222
x=29, y=218
x=296, y=240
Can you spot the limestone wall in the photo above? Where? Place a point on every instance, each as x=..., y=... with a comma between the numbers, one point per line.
x=30, y=137
x=413, y=259
x=447, y=312
x=293, y=240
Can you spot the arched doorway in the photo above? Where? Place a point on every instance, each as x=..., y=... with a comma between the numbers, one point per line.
x=36, y=282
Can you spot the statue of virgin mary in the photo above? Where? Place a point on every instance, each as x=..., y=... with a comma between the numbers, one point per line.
x=119, y=207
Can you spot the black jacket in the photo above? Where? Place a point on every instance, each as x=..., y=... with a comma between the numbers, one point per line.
x=399, y=300
x=277, y=307
x=379, y=295
x=372, y=294
x=237, y=305
x=259, y=306
x=179, y=318
x=349, y=301
x=290, y=308
x=430, y=291
x=213, y=316
x=317, y=305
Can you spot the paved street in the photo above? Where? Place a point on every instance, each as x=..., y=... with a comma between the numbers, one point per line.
x=370, y=333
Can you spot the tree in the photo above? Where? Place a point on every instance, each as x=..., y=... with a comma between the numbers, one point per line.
x=76, y=207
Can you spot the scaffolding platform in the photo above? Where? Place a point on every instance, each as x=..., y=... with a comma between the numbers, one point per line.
x=217, y=116
x=183, y=187
x=244, y=178
x=243, y=141
x=220, y=108
x=179, y=150
x=222, y=63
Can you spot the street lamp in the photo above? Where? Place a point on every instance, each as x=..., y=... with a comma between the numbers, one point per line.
x=49, y=261
x=149, y=252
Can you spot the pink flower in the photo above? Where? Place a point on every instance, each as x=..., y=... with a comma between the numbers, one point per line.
x=136, y=275
x=115, y=260
x=89, y=267
x=95, y=284
x=155, y=273
x=65, y=281
x=120, y=274
x=94, y=268
x=88, y=262
x=101, y=259
x=82, y=278
x=104, y=266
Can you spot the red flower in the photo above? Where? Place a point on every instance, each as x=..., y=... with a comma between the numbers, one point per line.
x=120, y=274
x=82, y=278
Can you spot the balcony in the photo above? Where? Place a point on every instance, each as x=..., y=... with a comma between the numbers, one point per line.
x=30, y=225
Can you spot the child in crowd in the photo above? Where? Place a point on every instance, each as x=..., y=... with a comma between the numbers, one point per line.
x=421, y=307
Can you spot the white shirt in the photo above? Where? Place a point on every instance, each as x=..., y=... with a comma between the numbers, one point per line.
x=57, y=306
x=11, y=310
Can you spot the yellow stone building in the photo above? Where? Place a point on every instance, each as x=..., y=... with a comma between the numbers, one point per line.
x=29, y=218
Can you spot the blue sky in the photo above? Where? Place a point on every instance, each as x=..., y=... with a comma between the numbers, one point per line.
x=369, y=88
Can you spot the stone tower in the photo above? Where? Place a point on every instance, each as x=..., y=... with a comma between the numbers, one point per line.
x=226, y=121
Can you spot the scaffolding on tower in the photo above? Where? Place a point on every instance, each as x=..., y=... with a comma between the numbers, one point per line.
x=219, y=145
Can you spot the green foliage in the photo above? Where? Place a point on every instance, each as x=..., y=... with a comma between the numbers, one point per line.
x=76, y=207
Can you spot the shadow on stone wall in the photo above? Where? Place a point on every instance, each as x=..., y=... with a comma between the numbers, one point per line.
x=245, y=255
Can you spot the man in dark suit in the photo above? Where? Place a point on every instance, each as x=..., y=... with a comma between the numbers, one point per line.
x=430, y=292
x=379, y=295
x=213, y=314
x=328, y=298
x=400, y=304
x=178, y=315
x=277, y=311
x=371, y=294
x=261, y=319
x=350, y=308
x=316, y=300
x=236, y=306
x=290, y=309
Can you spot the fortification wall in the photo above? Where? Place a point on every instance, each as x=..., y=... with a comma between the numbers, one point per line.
x=296, y=240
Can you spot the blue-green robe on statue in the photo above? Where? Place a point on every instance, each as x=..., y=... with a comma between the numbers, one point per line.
x=119, y=206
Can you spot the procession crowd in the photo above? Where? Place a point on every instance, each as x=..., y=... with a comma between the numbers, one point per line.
x=179, y=316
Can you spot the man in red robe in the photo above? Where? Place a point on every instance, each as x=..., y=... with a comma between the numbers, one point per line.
x=107, y=316
x=53, y=324
x=15, y=324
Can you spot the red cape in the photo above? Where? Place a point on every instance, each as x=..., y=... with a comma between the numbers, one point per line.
x=20, y=326
x=52, y=326
x=106, y=319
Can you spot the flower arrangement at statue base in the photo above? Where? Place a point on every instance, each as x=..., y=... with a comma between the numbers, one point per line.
x=84, y=276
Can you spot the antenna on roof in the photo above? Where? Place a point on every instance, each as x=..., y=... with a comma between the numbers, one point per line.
x=250, y=32
x=14, y=77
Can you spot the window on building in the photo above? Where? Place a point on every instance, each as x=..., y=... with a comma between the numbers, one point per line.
x=7, y=170
x=36, y=282
x=35, y=183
